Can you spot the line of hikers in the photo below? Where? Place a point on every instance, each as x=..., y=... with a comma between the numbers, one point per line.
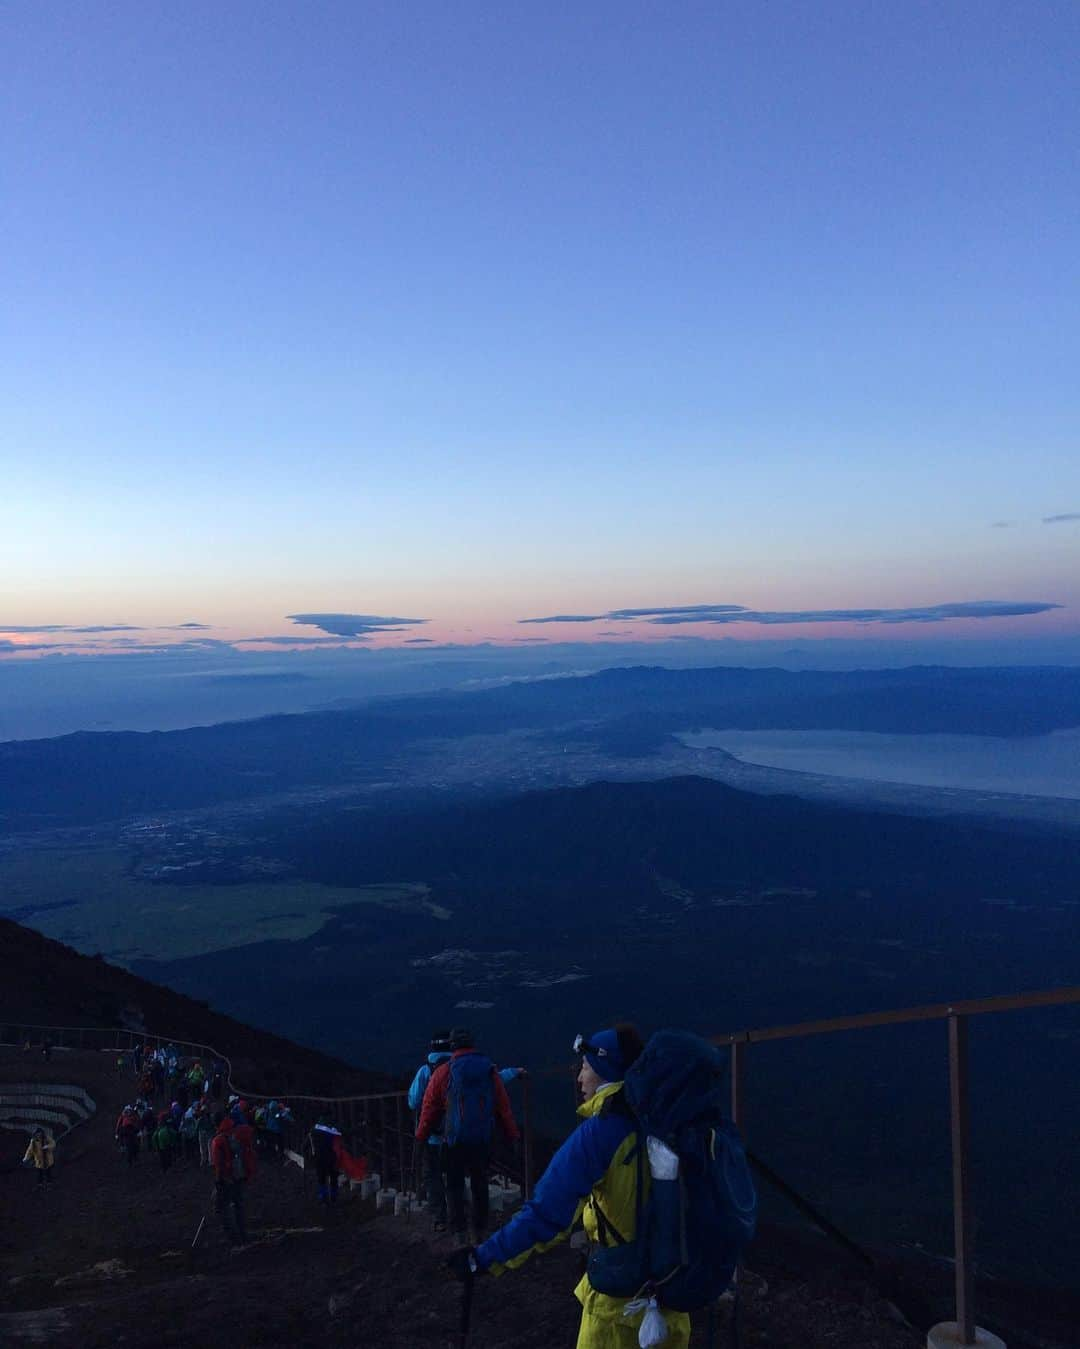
x=184, y=1133
x=164, y=1071
x=224, y=1140
x=655, y=1174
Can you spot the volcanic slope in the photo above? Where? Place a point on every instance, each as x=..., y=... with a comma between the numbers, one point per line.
x=105, y=1257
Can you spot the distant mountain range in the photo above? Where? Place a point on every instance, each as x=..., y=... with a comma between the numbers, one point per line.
x=620, y=713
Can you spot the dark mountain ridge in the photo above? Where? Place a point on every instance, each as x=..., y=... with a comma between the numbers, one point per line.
x=97, y=776
x=47, y=983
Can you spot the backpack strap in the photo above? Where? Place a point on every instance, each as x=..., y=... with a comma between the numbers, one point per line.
x=605, y=1228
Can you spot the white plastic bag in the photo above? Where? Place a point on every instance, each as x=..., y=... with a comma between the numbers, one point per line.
x=663, y=1163
x=653, y=1329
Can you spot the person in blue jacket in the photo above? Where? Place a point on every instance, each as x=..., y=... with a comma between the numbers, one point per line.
x=434, y=1164
x=590, y=1178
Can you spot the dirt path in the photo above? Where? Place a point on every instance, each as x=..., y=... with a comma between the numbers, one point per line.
x=104, y=1260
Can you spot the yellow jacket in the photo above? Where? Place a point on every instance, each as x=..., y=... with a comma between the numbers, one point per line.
x=42, y=1152
x=594, y=1169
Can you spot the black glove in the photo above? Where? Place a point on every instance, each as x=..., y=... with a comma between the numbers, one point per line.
x=462, y=1264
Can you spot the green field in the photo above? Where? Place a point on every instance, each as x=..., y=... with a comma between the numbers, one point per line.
x=124, y=918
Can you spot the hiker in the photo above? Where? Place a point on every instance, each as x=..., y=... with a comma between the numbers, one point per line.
x=47, y=1049
x=196, y=1080
x=258, y=1121
x=127, y=1133
x=41, y=1155
x=189, y=1131
x=434, y=1160
x=149, y=1122
x=465, y=1097
x=217, y=1079
x=278, y=1115
x=230, y=1159
x=165, y=1140
x=590, y=1176
x=204, y=1133
x=324, y=1142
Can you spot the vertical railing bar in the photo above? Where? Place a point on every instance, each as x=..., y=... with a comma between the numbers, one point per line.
x=402, y=1178
x=960, y=1113
x=526, y=1137
x=384, y=1152
x=738, y=1089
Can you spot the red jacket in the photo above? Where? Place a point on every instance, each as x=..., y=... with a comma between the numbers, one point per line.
x=434, y=1106
x=221, y=1150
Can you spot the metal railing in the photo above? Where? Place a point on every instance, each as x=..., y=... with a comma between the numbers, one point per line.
x=378, y=1125
x=956, y=1015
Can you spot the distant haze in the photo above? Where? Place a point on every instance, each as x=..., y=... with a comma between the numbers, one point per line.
x=172, y=689
x=1038, y=765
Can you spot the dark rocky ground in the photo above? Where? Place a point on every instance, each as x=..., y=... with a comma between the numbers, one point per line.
x=105, y=1259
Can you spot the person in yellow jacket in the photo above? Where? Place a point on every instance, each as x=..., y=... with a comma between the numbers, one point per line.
x=41, y=1154
x=591, y=1178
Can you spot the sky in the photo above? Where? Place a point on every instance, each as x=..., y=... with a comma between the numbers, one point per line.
x=400, y=324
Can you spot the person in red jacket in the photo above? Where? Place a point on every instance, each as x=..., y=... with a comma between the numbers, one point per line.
x=230, y=1158
x=463, y=1100
x=127, y=1133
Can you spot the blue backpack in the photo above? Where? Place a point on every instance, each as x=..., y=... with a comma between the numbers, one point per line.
x=689, y=1232
x=470, y=1100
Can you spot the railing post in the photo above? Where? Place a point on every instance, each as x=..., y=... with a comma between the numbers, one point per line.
x=738, y=1094
x=402, y=1178
x=960, y=1110
x=526, y=1140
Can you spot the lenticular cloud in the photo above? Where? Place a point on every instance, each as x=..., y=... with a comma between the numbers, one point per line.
x=735, y=613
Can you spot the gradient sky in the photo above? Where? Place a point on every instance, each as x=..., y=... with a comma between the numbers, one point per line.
x=478, y=313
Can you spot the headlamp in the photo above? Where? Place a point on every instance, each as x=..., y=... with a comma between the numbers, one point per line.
x=582, y=1046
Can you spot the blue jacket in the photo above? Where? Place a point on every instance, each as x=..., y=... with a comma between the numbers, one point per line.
x=578, y=1167
x=419, y=1086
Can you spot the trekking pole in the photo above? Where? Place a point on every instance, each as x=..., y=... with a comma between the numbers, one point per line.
x=195, y=1242
x=735, y=1318
x=466, y=1308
